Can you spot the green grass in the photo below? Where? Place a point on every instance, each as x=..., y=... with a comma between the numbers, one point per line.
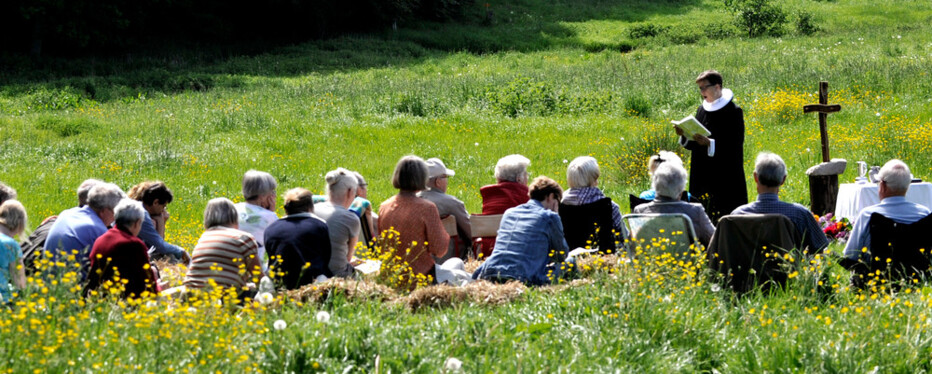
x=550, y=80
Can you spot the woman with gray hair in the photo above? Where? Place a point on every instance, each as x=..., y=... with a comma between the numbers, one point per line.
x=343, y=224
x=12, y=223
x=119, y=259
x=584, y=207
x=669, y=180
x=224, y=256
x=258, y=211
x=416, y=220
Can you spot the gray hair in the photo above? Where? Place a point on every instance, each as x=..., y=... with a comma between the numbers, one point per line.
x=770, y=169
x=669, y=180
x=257, y=183
x=6, y=193
x=511, y=168
x=128, y=212
x=410, y=174
x=360, y=178
x=85, y=188
x=583, y=172
x=104, y=196
x=13, y=216
x=663, y=156
x=896, y=175
x=220, y=212
x=339, y=181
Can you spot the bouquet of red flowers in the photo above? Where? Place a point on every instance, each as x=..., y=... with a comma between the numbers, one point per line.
x=835, y=229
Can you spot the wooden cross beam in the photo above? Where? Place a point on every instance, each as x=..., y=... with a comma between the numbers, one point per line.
x=823, y=108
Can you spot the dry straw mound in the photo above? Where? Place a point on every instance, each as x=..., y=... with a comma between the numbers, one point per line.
x=478, y=292
x=352, y=290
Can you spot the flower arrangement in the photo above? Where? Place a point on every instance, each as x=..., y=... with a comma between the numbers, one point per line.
x=835, y=229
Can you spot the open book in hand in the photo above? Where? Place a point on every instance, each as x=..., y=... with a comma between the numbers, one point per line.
x=691, y=126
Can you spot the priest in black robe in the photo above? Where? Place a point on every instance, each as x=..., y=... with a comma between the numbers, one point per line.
x=716, y=175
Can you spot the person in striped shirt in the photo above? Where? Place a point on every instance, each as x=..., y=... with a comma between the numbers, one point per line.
x=224, y=255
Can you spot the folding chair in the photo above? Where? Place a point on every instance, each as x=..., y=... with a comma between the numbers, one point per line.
x=898, y=252
x=484, y=231
x=740, y=246
x=653, y=232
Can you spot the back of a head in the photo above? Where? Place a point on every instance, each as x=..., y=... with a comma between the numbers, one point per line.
x=84, y=188
x=6, y=193
x=582, y=172
x=663, y=156
x=128, y=212
x=359, y=178
x=150, y=191
x=896, y=176
x=770, y=169
x=13, y=216
x=257, y=183
x=340, y=181
x=104, y=196
x=298, y=200
x=669, y=180
x=542, y=186
x=712, y=76
x=220, y=212
x=511, y=168
x=410, y=174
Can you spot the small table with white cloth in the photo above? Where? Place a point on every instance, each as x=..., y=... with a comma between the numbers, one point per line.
x=852, y=197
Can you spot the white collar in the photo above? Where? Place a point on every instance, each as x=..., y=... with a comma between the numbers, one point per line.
x=719, y=103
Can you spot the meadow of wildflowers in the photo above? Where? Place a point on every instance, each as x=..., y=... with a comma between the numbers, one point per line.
x=363, y=102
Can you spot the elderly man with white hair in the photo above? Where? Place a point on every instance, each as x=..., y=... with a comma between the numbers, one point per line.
x=894, y=182
x=258, y=211
x=770, y=174
x=669, y=180
x=438, y=179
x=120, y=252
x=511, y=189
x=76, y=229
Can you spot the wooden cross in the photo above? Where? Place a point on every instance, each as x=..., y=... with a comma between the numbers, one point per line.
x=823, y=108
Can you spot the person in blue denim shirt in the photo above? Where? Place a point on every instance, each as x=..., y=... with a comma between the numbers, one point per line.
x=530, y=245
x=155, y=197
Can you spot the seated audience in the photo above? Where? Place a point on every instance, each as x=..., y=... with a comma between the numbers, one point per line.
x=416, y=220
x=770, y=174
x=6, y=193
x=652, y=163
x=510, y=191
x=119, y=259
x=436, y=192
x=12, y=273
x=76, y=229
x=530, y=241
x=669, y=180
x=584, y=204
x=342, y=224
x=155, y=197
x=224, y=255
x=363, y=208
x=894, y=179
x=258, y=211
x=34, y=246
x=298, y=244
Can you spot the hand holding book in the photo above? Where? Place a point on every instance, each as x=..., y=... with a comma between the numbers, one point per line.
x=689, y=127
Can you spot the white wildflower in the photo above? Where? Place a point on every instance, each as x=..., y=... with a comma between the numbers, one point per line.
x=280, y=325
x=265, y=298
x=453, y=364
x=715, y=287
x=323, y=316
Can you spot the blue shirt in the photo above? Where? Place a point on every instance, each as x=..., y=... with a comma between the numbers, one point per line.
x=895, y=208
x=155, y=243
x=527, y=234
x=9, y=253
x=75, y=229
x=806, y=225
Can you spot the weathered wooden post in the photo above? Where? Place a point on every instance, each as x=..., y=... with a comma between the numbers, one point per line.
x=823, y=178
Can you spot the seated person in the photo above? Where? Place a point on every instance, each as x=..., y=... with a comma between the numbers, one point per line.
x=299, y=243
x=155, y=197
x=669, y=180
x=343, y=225
x=510, y=191
x=769, y=175
x=652, y=163
x=76, y=229
x=360, y=206
x=436, y=192
x=421, y=233
x=258, y=211
x=119, y=259
x=34, y=246
x=12, y=273
x=583, y=177
x=224, y=254
x=530, y=243
x=6, y=193
x=894, y=179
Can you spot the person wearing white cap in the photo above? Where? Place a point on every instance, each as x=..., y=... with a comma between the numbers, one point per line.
x=438, y=180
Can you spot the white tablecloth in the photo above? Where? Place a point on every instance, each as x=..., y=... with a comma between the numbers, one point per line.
x=853, y=197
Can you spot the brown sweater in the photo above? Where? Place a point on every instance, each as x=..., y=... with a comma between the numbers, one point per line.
x=416, y=220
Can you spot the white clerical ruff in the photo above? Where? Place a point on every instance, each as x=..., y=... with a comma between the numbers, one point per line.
x=719, y=103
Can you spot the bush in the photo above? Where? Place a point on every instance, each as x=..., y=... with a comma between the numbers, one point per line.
x=638, y=106
x=646, y=30
x=758, y=17
x=522, y=96
x=805, y=24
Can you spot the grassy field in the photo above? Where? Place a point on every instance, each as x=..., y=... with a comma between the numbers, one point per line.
x=550, y=80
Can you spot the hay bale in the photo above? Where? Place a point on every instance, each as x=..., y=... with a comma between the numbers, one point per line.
x=476, y=293
x=351, y=289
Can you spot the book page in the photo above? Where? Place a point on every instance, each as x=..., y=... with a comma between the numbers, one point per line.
x=691, y=126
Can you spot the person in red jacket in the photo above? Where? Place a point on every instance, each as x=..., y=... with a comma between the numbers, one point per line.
x=119, y=255
x=510, y=191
